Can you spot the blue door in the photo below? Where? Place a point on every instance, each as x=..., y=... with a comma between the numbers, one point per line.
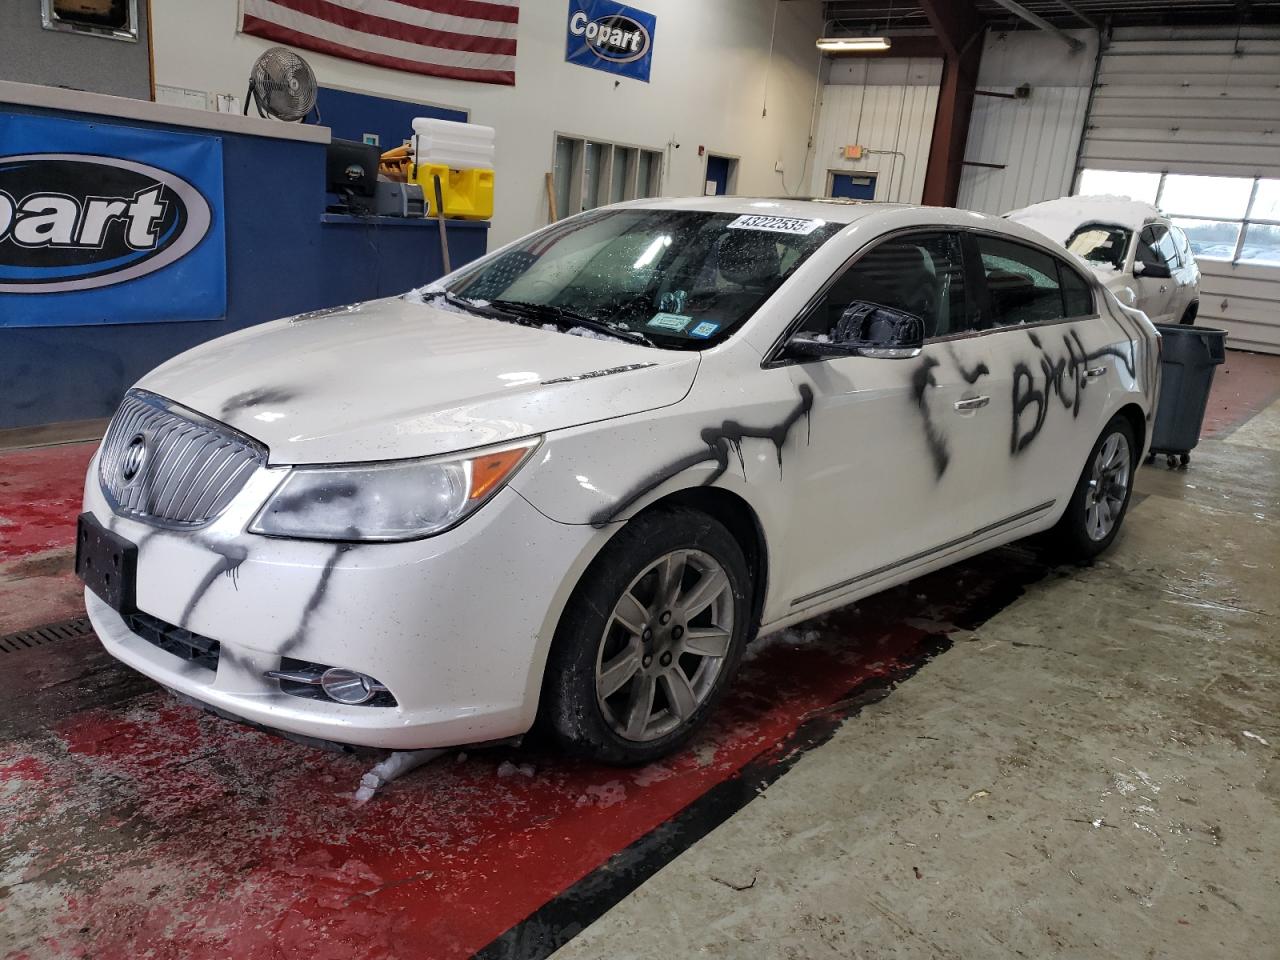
x=718, y=174
x=855, y=186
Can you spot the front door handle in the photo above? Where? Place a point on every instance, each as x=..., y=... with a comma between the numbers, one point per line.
x=1163, y=288
x=1093, y=372
x=973, y=403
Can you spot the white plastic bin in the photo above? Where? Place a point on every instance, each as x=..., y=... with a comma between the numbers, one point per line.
x=458, y=146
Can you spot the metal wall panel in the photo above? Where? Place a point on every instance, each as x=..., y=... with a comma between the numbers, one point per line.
x=1036, y=138
x=883, y=105
x=1187, y=105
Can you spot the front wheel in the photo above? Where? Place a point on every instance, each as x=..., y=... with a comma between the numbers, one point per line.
x=650, y=639
x=1101, y=497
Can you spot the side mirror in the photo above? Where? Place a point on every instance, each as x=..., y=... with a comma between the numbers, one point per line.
x=1156, y=271
x=865, y=329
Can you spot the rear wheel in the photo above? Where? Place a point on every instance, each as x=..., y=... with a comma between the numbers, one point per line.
x=650, y=639
x=1101, y=497
x=1189, y=315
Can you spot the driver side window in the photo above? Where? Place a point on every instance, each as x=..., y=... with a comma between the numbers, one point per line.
x=921, y=274
x=1156, y=246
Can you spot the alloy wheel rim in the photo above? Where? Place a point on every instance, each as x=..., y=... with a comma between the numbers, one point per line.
x=1108, y=487
x=664, y=645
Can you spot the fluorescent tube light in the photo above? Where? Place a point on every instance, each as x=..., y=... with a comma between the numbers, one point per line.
x=853, y=44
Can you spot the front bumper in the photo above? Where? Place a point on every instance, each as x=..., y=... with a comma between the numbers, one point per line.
x=457, y=626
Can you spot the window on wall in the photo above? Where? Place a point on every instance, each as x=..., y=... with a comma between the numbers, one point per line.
x=592, y=173
x=1119, y=183
x=117, y=19
x=1224, y=218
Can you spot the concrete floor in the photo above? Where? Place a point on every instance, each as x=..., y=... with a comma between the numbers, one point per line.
x=1084, y=765
x=1093, y=772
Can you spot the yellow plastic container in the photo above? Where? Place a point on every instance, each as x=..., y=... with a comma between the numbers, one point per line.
x=468, y=194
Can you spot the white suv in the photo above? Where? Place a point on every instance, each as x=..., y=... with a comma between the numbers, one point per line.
x=1136, y=252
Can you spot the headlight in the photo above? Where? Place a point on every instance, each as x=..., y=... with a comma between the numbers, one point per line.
x=396, y=500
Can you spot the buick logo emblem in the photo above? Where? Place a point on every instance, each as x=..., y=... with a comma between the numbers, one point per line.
x=135, y=455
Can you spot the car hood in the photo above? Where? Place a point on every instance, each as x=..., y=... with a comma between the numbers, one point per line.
x=391, y=379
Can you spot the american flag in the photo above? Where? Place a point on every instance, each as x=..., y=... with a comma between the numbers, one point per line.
x=459, y=39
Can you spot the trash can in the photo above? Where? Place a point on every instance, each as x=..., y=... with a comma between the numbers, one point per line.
x=1187, y=362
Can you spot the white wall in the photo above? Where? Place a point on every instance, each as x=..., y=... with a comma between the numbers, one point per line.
x=884, y=105
x=1036, y=138
x=711, y=67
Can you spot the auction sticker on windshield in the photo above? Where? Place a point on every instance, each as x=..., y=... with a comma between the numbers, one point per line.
x=669, y=321
x=754, y=221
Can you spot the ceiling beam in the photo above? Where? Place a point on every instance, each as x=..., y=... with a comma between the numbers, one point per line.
x=959, y=28
x=1036, y=20
x=1080, y=15
x=956, y=22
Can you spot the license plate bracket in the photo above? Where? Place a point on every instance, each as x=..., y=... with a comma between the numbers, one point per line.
x=107, y=563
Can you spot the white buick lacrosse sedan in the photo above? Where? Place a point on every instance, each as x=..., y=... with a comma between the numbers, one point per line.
x=571, y=481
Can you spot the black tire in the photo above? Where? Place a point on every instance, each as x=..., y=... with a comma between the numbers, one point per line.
x=570, y=710
x=1189, y=315
x=1071, y=539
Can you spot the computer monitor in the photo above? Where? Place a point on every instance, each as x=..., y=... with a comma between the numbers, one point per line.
x=351, y=168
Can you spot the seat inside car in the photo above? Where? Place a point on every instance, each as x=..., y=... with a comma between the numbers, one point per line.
x=748, y=263
x=897, y=275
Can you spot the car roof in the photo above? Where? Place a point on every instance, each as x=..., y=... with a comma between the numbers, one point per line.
x=833, y=210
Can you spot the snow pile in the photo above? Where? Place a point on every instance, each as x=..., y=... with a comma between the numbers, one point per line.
x=1058, y=219
x=396, y=765
x=508, y=769
x=790, y=637
x=420, y=294
x=591, y=334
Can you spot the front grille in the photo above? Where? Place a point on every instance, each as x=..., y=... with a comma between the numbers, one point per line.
x=199, y=650
x=164, y=464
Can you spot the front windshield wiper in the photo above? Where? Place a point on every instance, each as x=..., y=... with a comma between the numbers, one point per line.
x=567, y=315
x=462, y=303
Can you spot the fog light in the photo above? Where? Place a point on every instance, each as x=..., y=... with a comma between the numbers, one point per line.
x=348, y=686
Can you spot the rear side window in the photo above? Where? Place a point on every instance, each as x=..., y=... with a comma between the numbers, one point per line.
x=1021, y=281
x=1076, y=295
x=1183, y=244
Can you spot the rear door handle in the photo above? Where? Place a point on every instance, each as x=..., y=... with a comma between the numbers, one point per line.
x=973, y=403
x=1095, y=372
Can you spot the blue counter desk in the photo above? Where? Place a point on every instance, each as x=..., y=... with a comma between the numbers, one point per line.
x=283, y=255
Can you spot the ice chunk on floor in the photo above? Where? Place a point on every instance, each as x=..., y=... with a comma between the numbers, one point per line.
x=394, y=766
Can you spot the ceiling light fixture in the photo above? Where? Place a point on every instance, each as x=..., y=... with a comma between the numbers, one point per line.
x=853, y=44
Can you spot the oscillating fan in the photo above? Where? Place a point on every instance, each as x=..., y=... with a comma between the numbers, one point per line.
x=281, y=85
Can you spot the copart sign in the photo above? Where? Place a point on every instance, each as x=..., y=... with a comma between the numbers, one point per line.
x=611, y=37
x=108, y=224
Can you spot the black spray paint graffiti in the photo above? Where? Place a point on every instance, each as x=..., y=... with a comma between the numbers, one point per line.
x=1065, y=377
x=921, y=382
x=721, y=441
